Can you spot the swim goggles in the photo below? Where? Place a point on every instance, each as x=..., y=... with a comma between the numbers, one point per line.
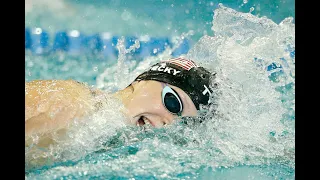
x=171, y=100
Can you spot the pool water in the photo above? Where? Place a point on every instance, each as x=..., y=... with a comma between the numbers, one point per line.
x=252, y=136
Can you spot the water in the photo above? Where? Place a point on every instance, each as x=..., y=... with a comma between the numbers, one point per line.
x=250, y=137
x=156, y=18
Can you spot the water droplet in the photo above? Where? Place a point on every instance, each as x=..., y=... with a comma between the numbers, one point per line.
x=251, y=9
x=126, y=15
x=155, y=51
x=74, y=33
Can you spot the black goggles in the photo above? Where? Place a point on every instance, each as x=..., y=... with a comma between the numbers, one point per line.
x=171, y=100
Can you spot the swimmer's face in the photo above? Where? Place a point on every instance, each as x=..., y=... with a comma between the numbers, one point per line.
x=144, y=104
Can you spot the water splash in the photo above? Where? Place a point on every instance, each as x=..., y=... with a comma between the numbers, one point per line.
x=250, y=126
x=121, y=69
x=126, y=70
x=83, y=136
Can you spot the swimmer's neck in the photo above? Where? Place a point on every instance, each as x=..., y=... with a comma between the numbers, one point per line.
x=124, y=94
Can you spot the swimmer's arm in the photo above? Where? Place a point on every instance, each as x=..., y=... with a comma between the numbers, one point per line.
x=52, y=104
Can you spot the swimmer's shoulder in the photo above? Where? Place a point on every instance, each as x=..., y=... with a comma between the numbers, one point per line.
x=56, y=85
x=68, y=99
x=57, y=91
x=65, y=89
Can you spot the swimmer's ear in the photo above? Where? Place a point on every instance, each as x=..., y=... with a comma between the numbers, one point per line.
x=132, y=85
x=134, y=82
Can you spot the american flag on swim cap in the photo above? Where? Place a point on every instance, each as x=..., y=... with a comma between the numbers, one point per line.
x=183, y=63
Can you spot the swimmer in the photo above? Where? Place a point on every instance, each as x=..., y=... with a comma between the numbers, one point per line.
x=168, y=89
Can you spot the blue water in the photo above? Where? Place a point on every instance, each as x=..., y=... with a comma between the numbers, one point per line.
x=251, y=138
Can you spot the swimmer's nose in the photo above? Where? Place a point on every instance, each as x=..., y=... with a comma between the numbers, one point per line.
x=161, y=114
x=159, y=120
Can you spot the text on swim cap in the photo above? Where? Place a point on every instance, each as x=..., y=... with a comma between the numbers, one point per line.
x=206, y=90
x=163, y=68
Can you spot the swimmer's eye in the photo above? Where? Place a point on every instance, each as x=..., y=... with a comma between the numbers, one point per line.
x=171, y=100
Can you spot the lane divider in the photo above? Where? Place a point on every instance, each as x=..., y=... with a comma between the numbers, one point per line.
x=76, y=43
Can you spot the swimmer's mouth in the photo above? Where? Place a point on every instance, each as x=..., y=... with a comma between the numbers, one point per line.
x=144, y=121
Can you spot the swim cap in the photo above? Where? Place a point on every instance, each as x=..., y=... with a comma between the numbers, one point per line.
x=185, y=74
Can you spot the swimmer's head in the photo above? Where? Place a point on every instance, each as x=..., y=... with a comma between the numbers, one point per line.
x=185, y=74
x=168, y=89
